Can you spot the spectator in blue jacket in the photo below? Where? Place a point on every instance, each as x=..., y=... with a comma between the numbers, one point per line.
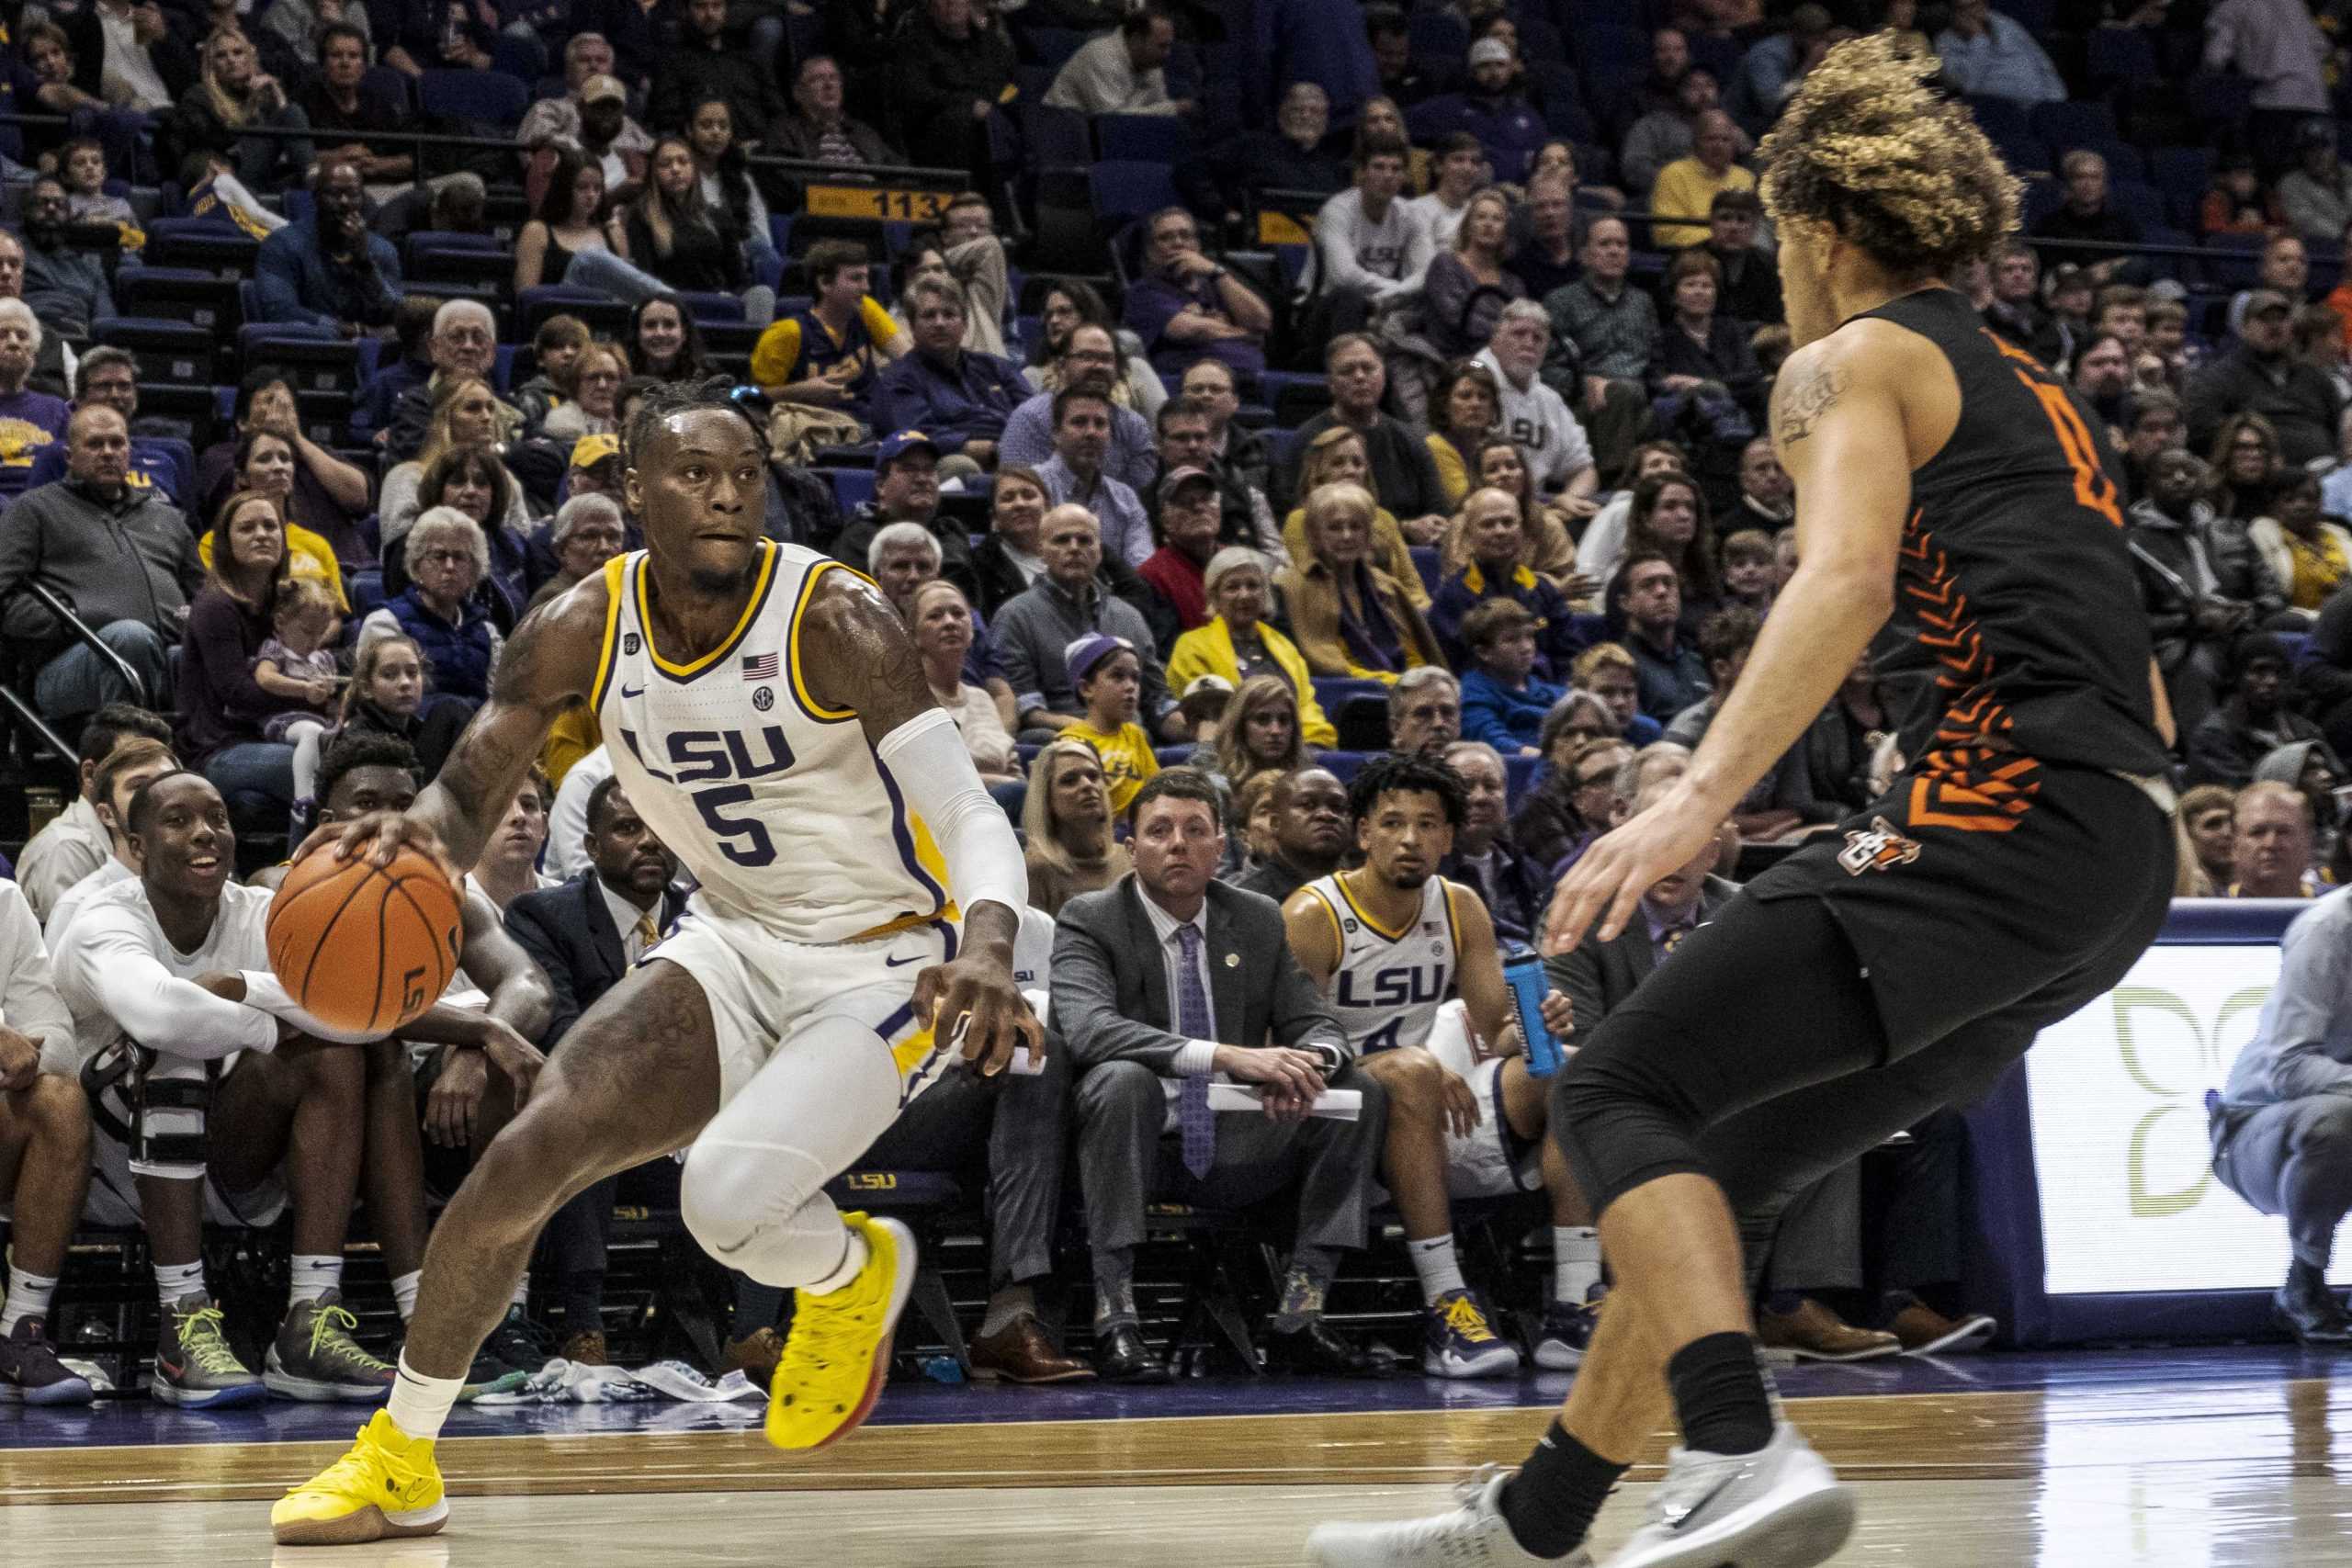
x=1489, y=525
x=1502, y=702
x=958, y=397
x=449, y=558
x=328, y=269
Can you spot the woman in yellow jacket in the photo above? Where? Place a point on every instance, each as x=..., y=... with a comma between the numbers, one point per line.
x=1237, y=643
x=1337, y=456
x=1351, y=617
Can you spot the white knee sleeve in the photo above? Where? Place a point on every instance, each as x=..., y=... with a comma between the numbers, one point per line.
x=752, y=1193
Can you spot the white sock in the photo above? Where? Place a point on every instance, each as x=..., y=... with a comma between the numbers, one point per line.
x=419, y=1403
x=853, y=1264
x=1434, y=1261
x=176, y=1282
x=404, y=1292
x=522, y=1297
x=27, y=1297
x=1575, y=1263
x=314, y=1274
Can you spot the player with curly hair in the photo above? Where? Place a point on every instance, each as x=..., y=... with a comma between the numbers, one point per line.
x=2011, y=874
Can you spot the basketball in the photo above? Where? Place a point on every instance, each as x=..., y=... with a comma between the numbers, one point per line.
x=365, y=947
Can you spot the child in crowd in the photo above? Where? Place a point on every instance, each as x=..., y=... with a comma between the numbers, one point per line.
x=82, y=170
x=1109, y=678
x=1502, y=702
x=296, y=664
x=1749, y=576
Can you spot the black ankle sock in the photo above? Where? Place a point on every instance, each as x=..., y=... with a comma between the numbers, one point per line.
x=1719, y=1395
x=2303, y=1275
x=1549, y=1505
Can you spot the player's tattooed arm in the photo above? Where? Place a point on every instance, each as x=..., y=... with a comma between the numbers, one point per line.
x=1800, y=400
x=855, y=654
x=546, y=667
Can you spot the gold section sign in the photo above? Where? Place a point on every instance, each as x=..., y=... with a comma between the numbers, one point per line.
x=878, y=203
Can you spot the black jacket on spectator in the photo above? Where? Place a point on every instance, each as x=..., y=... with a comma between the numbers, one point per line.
x=2297, y=398
x=692, y=69
x=2324, y=682
x=1404, y=475
x=935, y=78
x=430, y=732
x=2104, y=225
x=1256, y=159
x=2227, y=746
x=632, y=30
x=1514, y=892
x=1725, y=357
x=1750, y=291
x=790, y=136
x=265, y=163
x=2029, y=327
x=702, y=259
x=569, y=934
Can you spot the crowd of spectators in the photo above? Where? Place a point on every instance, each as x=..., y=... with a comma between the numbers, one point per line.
x=1412, y=409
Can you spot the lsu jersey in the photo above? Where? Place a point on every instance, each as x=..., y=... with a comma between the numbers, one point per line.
x=1390, y=984
x=776, y=801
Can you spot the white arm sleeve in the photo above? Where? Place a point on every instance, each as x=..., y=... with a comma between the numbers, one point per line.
x=265, y=992
x=926, y=756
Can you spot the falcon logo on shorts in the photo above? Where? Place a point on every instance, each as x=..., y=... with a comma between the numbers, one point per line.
x=1880, y=847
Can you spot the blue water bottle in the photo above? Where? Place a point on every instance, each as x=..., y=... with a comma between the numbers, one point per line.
x=1523, y=973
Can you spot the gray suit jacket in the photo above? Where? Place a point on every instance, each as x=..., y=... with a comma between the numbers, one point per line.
x=1597, y=975
x=1110, y=983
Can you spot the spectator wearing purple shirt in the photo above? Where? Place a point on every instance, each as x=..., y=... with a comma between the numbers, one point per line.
x=1187, y=307
x=28, y=420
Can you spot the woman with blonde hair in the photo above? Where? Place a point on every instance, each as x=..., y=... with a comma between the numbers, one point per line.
x=1338, y=456
x=1496, y=463
x=1238, y=646
x=1066, y=822
x=232, y=94
x=1350, y=617
x=466, y=413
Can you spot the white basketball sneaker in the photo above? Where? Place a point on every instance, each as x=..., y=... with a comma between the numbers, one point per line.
x=1472, y=1535
x=1778, y=1508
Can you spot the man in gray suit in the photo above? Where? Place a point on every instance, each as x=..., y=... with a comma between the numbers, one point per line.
x=1163, y=983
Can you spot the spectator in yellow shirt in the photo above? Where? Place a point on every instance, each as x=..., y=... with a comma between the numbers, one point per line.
x=829, y=354
x=1109, y=679
x=1687, y=187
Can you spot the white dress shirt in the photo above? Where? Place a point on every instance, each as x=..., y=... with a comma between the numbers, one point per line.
x=1198, y=1056
x=626, y=920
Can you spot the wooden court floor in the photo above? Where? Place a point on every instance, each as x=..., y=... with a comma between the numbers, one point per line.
x=2163, y=1474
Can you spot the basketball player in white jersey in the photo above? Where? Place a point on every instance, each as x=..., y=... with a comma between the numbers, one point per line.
x=1388, y=941
x=770, y=719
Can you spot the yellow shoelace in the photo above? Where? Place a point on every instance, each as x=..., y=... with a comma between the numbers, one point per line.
x=356, y=1470
x=204, y=1341
x=333, y=1324
x=1463, y=1316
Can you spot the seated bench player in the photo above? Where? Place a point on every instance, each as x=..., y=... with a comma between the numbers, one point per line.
x=44, y=1157
x=216, y=1102
x=1388, y=941
x=118, y=777
x=454, y=1075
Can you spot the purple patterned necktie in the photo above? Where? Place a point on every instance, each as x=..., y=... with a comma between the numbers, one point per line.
x=1194, y=1120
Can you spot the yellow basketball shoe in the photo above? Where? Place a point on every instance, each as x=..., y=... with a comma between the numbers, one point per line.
x=385, y=1486
x=839, y=1352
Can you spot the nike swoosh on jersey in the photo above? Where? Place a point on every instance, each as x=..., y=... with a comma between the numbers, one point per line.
x=627, y=691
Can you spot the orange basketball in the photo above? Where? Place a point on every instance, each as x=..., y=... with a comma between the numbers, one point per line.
x=363, y=947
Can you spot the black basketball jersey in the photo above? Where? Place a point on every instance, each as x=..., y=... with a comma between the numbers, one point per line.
x=2015, y=598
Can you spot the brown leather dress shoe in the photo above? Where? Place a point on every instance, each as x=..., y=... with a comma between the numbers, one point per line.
x=1814, y=1333
x=1927, y=1332
x=755, y=1356
x=1020, y=1352
x=586, y=1348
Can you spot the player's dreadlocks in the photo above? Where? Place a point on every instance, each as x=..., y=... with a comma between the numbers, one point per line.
x=1898, y=169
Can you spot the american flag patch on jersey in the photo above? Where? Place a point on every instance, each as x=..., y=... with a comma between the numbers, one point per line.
x=761, y=666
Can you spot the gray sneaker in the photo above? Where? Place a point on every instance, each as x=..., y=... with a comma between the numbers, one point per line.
x=316, y=1358
x=195, y=1369
x=1473, y=1535
x=1778, y=1508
